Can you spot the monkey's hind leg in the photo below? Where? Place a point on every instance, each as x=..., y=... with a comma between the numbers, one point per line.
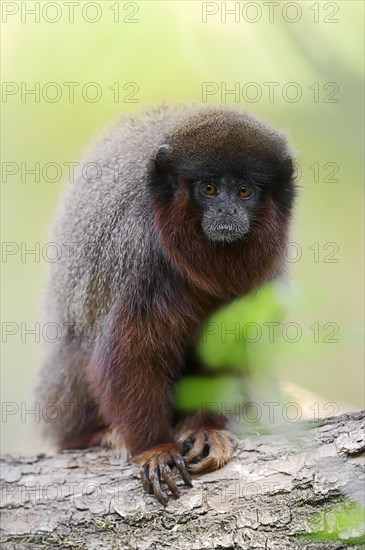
x=90, y=436
x=71, y=417
x=206, y=445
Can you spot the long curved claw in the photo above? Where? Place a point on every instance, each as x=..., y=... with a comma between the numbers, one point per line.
x=156, y=467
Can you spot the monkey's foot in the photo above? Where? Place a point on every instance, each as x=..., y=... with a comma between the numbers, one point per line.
x=207, y=449
x=156, y=466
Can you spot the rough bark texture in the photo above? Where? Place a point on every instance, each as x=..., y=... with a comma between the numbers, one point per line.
x=281, y=491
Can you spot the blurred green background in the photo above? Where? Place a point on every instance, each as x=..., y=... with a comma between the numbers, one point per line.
x=168, y=51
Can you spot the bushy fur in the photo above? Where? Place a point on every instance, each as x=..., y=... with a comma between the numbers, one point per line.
x=141, y=277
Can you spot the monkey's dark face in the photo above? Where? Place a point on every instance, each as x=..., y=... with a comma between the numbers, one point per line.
x=227, y=206
x=226, y=172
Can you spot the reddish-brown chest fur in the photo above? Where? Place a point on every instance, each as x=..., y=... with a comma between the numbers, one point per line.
x=218, y=273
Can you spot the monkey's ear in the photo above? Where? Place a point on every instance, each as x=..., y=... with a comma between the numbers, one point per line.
x=286, y=170
x=163, y=158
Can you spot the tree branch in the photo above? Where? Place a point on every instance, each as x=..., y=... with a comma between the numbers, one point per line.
x=282, y=491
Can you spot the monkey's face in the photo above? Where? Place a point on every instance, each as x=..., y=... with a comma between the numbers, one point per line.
x=224, y=172
x=227, y=206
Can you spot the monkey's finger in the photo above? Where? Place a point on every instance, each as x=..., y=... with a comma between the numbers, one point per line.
x=198, y=448
x=179, y=461
x=221, y=451
x=187, y=442
x=208, y=464
x=166, y=476
x=157, y=490
x=147, y=485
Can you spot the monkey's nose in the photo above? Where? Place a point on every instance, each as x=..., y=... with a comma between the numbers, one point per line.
x=228, y=212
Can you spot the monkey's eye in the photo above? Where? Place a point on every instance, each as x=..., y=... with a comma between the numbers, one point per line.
x=245, y=192
x=209, y=189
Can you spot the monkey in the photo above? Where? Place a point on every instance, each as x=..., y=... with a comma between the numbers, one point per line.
x=173, y=213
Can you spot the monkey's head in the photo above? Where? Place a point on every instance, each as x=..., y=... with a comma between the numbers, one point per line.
x=224, y=167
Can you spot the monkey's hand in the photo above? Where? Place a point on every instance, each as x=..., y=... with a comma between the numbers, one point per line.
x=156, y=465
x=207, y=449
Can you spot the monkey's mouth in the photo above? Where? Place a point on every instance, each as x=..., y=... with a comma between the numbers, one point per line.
x=225, y=233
